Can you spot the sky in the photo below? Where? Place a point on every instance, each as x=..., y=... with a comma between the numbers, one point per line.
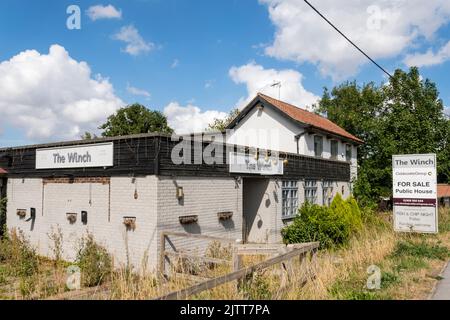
x=65, y=66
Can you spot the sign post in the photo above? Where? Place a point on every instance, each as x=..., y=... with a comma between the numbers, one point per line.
x=415, y=193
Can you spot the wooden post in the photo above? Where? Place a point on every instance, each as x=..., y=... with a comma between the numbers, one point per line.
x=162, y=256
x=237, y=265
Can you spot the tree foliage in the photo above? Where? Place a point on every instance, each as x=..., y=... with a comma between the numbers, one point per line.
x=135, y=119
x=403, y=116
x=220, y=124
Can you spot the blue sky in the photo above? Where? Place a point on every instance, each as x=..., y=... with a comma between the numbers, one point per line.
x=195, y=60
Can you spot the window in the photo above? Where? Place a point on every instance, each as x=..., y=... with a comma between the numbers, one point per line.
x=327, y=192
x=290, y=198
x=318, y=146
x=310, y=191
x=334, y=149
x=348, y=152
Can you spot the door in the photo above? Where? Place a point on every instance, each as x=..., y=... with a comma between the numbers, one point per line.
x=258, y=215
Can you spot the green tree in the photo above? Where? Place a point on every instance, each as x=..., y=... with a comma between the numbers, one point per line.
x=403, y=116
x=88, y=136
x=135, y=119
x=220, y=124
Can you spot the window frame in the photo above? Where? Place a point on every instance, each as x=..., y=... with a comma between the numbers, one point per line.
x=326, y=185
x=289, y=199
x=348, y=152
x=334, y=156
x=321, y=146
x=311, y=187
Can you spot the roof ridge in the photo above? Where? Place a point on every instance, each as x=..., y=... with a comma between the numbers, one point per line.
x=293, y=105
x=308, y=117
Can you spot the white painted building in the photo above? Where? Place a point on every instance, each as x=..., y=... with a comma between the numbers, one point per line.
x=135, y=178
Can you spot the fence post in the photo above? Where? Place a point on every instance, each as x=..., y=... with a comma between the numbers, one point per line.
x=162, y=256
x=237, y=265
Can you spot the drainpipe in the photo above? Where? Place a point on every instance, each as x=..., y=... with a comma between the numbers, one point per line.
x=297, y=138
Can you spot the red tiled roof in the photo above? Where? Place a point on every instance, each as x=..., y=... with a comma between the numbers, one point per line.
x=443, y=190
x=3, y=171
x=310, y=118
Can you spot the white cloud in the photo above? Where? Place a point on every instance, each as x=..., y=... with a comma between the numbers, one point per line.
x=384, y=29
x=209, y=84
x=175, y=64
x=257, y=79
x=190, y=118
x=138, y=92
x=135, y=43
x=429, y=58
x=103, y=12
x=52, y=96
x=447, y=111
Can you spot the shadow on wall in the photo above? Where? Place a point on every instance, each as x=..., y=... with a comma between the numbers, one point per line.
x=193, y=228
x=227, y=224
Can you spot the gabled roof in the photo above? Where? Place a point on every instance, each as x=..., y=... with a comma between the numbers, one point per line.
x=443, y=190
x=299, y=115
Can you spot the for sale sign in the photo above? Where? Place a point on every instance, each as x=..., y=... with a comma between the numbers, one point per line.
x=415, y=193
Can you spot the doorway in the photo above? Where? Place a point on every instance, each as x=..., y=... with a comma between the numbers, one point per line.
x=258, y=210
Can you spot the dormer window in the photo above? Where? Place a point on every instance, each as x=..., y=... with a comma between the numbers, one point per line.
x=318, y=146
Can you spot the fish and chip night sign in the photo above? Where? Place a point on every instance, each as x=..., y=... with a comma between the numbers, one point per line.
x=415, y=193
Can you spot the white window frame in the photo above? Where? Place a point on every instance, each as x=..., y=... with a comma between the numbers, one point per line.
x=311, y=191
x=348, y=152
x=327, y=186
x=289, y=198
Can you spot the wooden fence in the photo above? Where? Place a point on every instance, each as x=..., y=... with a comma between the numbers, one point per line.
x=278, y=254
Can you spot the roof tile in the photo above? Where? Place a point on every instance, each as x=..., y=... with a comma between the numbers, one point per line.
x=310, y=118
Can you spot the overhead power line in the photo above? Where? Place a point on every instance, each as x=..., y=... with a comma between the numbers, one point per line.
x=351, y=42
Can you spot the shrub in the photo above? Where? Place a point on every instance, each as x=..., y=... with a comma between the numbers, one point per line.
x=348, y=210
x=331, y=226
x=94, y=262
x=316, y=223
x=20, y=255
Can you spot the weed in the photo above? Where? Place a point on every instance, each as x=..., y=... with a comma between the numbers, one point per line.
x=388, y=279
x=94, y=262
x=56, y=246
x=421, y=250
x=257, y=288
x=409, y=263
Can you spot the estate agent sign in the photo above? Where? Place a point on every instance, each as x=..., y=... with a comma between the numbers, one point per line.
x=84, y=156
x=415, y=193
x=245, y=163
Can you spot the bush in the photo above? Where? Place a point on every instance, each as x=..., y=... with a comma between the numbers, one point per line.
x=21, y=257
x=94, y=262
x=331, y=226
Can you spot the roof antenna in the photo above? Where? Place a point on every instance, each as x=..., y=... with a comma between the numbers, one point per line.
x=277, y=84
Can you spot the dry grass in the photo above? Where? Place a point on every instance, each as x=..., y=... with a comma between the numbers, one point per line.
x=332, y=274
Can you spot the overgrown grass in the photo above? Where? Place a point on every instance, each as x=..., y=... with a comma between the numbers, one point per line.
x=407, y=264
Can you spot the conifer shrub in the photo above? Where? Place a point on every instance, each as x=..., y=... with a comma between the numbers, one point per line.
x=331, y=226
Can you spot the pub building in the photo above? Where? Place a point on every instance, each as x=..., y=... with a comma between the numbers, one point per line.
x=126, y=190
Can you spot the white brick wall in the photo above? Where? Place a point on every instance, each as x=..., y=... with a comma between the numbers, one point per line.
x=205, y=197
x=61, y=198
x=156, y=209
